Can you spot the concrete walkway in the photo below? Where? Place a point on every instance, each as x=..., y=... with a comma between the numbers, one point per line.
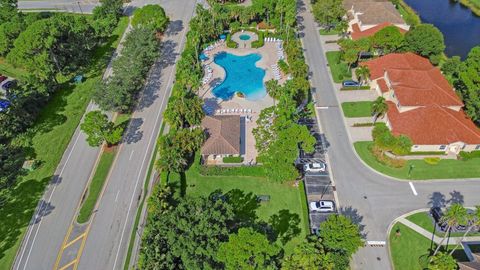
x=357, y=95
x=436, y=239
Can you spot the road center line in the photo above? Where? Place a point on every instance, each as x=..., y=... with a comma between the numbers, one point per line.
x=413, y=188
x=131, y=154
x=116, y=196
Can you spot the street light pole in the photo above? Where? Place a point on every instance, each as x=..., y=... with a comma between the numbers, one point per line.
x=78, y=3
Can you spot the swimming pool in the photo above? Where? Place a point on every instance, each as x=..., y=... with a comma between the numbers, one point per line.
x=244, y=37
x=241, y=76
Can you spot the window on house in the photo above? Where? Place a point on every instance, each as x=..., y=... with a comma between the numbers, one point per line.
x=415, y=146
x=442, y=147
x=477, y=147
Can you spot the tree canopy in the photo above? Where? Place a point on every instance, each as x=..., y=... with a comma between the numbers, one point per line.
x=425, y=40
x=248, y=249
x=328, y=13
x=150, y=16
x=389, y=39
x=98, y=129
x=186, y=236
x=118, y=92
x=309, y=255
x=339, y=233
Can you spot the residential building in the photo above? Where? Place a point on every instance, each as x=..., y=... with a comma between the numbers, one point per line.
x=422, y=104
x=366, y=17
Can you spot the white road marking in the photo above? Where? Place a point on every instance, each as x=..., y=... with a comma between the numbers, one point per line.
x=116, y=196
x=43, y=202
x=131, y=154
x=413, y=189
x=322, y=107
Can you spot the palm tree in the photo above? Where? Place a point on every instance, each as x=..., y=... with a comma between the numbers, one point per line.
x=474, y=220
x=379, y=108
x=363, y=73
x=455, y=215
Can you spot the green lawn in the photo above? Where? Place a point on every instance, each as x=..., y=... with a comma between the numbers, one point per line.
x=338, y=68
x=424, y=220
x=410, y=249
x=285, y=199
x=49, y=138
x=357, y=109
x=408, y=14
x=325, y=32
x=445, y=169
x=96, y=185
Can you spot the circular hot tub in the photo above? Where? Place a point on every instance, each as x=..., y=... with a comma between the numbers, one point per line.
x=244, y=37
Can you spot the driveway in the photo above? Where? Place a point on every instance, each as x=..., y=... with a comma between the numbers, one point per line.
x=371, y=199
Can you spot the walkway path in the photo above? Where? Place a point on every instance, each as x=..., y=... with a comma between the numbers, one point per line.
x=436, y=239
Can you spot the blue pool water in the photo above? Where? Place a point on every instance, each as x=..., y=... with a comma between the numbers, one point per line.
x=241, y=76
x=244, y=37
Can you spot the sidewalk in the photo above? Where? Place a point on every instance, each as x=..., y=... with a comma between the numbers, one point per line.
x=436, y=239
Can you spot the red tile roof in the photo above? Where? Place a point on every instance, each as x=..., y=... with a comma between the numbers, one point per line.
x=415, y=81
x=223, y=135
x=358, y=34
x=433, y=125
x=383, y=85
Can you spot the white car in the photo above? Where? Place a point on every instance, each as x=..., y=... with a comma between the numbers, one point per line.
x=322, y=206
x=315, y=167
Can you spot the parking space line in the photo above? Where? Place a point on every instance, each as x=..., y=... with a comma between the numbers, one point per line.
x=68, y=264
x=74, y=240
x=413, y=188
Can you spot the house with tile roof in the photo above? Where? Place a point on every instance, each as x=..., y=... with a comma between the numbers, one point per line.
x=223, y=136
x=367, y=17
x=422, y=104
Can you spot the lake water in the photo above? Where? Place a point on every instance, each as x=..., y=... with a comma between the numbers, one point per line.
x=460, y=27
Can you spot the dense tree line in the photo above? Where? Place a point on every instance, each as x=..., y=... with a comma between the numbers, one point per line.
x=221, y=231
x=424, y=39
x=119, y=91
x=47, y=46
x=465, y=77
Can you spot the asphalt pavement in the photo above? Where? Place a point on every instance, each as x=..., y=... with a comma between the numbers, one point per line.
x=371, y=199
x=55, y=212
x=110, y=231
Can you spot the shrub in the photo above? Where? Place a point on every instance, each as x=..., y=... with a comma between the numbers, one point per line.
x=230, y=43
x=283, y=66
x=363, y=124
x=469, y=155
x=380, y=156
x=260, y=42
x=264, y=25
x=232, y=159
x=432, y=160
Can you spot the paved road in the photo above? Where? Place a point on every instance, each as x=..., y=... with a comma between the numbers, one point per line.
x=373, y=200
x=56, y=210
x=110, y=231
x=75, y=6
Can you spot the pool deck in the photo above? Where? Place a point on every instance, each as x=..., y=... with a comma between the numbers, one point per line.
x=269, y=58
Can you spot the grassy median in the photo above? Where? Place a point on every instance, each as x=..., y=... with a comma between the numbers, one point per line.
x=96, y=185
x=445, y=169
x=48, y=139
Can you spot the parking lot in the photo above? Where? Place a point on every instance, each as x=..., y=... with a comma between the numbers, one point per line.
x=318, y=185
